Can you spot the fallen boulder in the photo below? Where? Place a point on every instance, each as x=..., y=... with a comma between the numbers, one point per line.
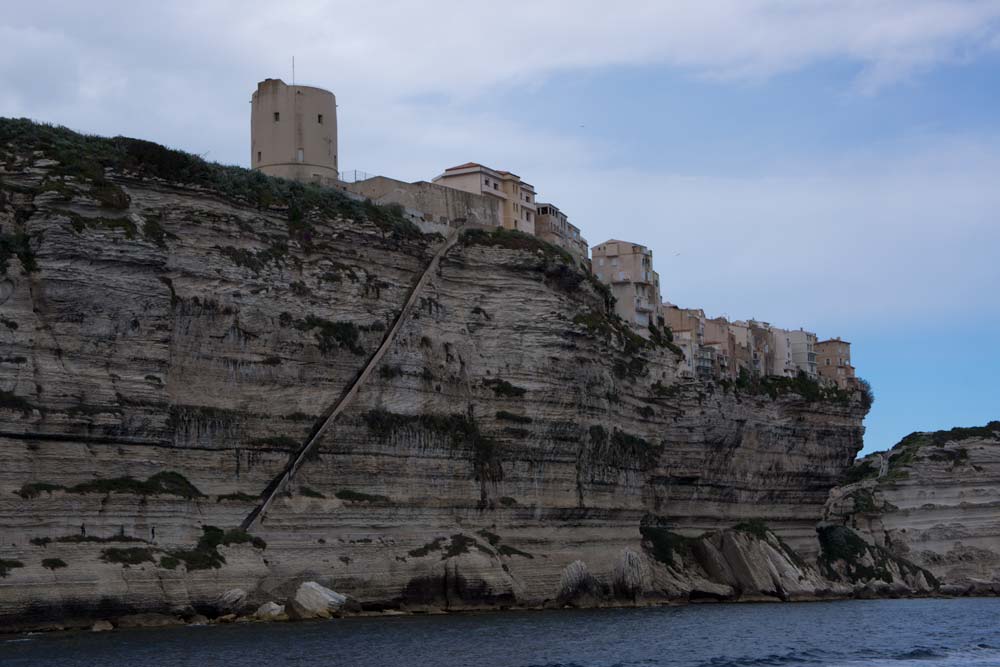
x=271, y=611
x=102, y=626
x=231, y=601
x=314, y=601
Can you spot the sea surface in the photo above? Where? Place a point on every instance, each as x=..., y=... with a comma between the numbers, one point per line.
x=896, y=633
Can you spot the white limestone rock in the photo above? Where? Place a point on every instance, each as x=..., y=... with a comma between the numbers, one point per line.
x=315, y=601
x=271, y=611
x=232, y=600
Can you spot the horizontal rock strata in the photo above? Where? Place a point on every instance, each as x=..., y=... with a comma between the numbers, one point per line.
x=167, y=346
x=933, y=500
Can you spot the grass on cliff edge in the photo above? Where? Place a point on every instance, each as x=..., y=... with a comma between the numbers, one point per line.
x=87, y=156
x=904, y=452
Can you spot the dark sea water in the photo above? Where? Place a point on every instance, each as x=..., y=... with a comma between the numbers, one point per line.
x=896, y=633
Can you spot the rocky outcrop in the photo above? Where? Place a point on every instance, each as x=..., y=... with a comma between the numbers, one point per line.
x=932, y=502
x=174, y=332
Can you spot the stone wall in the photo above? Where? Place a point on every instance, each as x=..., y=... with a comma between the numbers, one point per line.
x=429, y=202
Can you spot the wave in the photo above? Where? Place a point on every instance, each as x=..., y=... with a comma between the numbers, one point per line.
x=981, y=655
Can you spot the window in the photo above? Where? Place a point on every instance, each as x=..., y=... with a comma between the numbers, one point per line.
x=494, y=185
x=600, y=261
x=258, y=156
x=300, y=155
x=277, y=116
x=319, y=118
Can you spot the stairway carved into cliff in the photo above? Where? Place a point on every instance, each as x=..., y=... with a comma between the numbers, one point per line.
x=330, y=416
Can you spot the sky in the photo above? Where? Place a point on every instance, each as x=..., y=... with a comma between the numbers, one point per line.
x=827, y=164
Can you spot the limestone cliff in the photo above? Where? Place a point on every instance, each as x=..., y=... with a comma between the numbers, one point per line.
x=173, y=332
x=932, y=500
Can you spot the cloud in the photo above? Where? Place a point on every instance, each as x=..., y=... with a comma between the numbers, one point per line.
x=868, y=237
x=872, y=241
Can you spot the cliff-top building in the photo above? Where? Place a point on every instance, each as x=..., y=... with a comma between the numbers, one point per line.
x=803, y=344
x=833, y=362
x=628, y=269
x=293, y=132
x=515, y=198
x=553, y=226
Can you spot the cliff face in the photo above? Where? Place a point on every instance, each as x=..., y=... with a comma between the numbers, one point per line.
x=167, y=346
x=934, y=500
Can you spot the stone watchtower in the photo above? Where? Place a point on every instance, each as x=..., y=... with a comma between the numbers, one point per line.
x=293, y=131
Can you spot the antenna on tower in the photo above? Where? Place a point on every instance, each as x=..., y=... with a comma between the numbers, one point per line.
x=293, y=70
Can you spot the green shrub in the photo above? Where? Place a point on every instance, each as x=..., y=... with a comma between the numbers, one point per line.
x=434, y=545
x=460, y=430
x=239, y=496
x=154, y=232
x=7, y=565
x=205, y=555
x=513, y=239
x=34, y=489
x=859, y=471
x=359, y=497
x=169, y=562
x=309, y=492
x=511, y=417
x=755, y=527
x=162, y=483
x=504, y=388
x=867, y=394
x=332, y=335
x=661, y=390
x=14, y=403
x=663, y=544
x=79, y=539
x=17, y=245
x=460, y=544
x=507, y=550
x=841, y=544
x=387, y=372
x=53, y=563
x=127, y=556
x=276, y=441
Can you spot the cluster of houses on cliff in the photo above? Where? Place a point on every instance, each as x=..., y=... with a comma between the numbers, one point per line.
x=294, y=136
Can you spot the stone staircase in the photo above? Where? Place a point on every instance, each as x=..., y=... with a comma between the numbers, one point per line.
x=281, y=481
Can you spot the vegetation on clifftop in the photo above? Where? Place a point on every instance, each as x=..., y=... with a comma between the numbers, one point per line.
x=86, y=157
x=802, y=385
x=932, y=446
